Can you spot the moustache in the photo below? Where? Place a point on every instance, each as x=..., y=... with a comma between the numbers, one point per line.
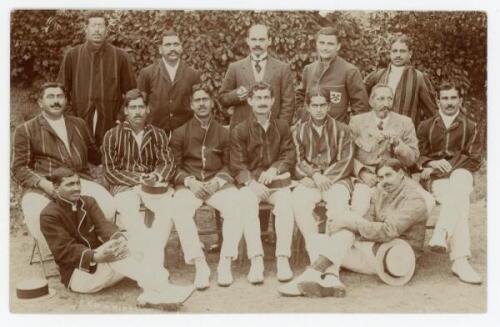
x=173, y=52
x=139, y=116
x=257, y=47
x=263, y=107
x=56, y=105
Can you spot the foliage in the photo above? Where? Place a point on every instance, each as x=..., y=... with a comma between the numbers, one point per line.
x=446, y=44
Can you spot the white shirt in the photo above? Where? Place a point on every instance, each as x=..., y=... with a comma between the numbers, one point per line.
x=171, y=70
x=59, y=126
x=318, y=129
x=259, y=76
x=448, y=120
x=394, y=77
x=138, y=138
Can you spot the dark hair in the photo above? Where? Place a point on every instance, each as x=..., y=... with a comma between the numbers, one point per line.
x=94, y=14
x=328, y=31
x=260, y=86
x=48, y=85
x=402, y=38
x=201, y=87
x=170, y=32
x=445, y=86
x=59, y=174
x=393, y=163
x=132, y=95
x=317, y=93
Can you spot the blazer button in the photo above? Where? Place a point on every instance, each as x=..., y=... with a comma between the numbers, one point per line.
x=171, y=115
x=170, y=101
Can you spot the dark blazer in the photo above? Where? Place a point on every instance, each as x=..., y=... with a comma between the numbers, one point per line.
x=201, y=152
x=254, y=150
x=168, y=100
x=460, y=144
x=37, y=150
x=72, y=235
x=278, y=74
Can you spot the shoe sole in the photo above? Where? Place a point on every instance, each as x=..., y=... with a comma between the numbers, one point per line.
x=285, y=280
x=467, y=282
x=260, y=282
x=313, y=289
x=160, y=306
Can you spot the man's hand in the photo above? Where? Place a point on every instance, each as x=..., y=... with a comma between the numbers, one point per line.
x=323, y=182
x=197, y=188
x=260, y=190
x=307, y=182
x=368, y=177
x=442, y=165
x=149, y=179
x=426, y=173
x=46, y=186
x=242, y=93
x=112, y=250
x=341, y=222
x=266, y=177
x=211, y=187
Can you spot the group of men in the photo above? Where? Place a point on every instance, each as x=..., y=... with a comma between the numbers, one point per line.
x=169, y=157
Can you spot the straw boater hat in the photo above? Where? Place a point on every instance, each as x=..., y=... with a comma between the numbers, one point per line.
x=395, y=262
x=34, y=289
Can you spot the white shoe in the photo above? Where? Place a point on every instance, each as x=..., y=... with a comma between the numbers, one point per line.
x=283, y=271
x=224, y=275
x=170, y=298
x=202, y=278
x=256, y=273
x=438, y=241
x=462, y=268
x=329, y=286
x=291, y=288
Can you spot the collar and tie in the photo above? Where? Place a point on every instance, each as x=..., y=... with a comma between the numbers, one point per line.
x=257, y=66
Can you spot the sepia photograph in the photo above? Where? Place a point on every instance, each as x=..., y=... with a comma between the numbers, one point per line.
x=168, y=161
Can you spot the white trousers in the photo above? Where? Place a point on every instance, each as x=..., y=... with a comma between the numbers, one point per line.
x=147, y=244
x=454, y=195
x=304, y=202
x=228, y=201
x=108, y=274
x=33, y=203
x=283, y=212
x=345, y=251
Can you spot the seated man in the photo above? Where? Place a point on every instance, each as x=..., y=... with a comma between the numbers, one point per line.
x=325, y=157
x=262, y=155
x=49, y=141
x=451, y=151
x=137, y=153
x=91, y=252
x=380, y=134
x=201, y=152
x=397, y=210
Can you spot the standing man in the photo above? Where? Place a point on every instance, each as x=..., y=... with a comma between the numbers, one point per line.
x=451, y=151
x=325, y=159
x=379, y=134
x=49, y=141
x=413, y=92
x=201, y=151
x=262, y=156
x=258, y=67
x=339, y=78
x=167, y=84
x=384, y=241
x=139, y=164
x=91, y=253
x=96, y=75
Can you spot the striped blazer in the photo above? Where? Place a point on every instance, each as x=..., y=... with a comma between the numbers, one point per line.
x=414, y=96
x=38, y=151
x=460, y=144
x=330, y=154
x=124, y=162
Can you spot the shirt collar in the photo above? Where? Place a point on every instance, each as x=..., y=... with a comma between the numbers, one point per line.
x=167, y=66
x=448, y=120
x=200, y=123
x=66, y=203
x=261, y=58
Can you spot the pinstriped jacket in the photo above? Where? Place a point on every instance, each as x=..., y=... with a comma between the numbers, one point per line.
x=37, y=150
x=460, y=144
x=331, y=153
x=124, y=162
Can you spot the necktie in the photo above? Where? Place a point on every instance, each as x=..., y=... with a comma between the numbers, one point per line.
x=380, y=125
x=258, y=68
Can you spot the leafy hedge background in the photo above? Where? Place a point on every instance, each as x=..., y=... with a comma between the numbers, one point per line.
x=447, y=45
